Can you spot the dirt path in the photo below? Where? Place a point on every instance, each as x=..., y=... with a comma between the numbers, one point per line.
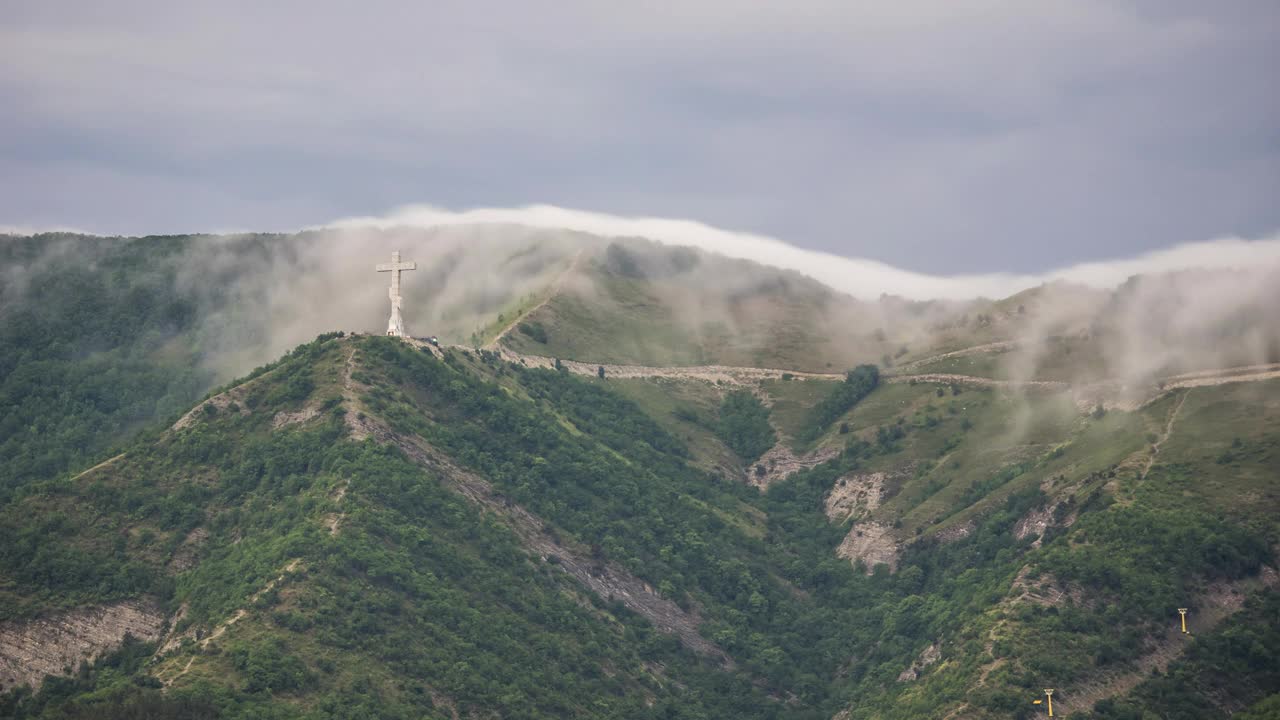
x=1238, y=370
x=99, y=466
x=706, y=373
x=1225, y=376
x=750, y=376
x=351, y=401
x=556, y=288
x=994, y=347
x=973, y=380
x=1168, y=430
x=173, y=642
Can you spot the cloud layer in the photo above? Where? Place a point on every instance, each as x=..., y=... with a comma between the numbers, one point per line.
x=859, y=277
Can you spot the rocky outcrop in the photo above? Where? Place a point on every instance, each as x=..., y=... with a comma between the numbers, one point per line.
x=780, y=462
x=872, y=543
x=1034, y=522
x=57, y=644
x=855, y=496
x=928, y=656
x=1044, y=589
x=284, y=419
x=955, y=532
x=184, y=558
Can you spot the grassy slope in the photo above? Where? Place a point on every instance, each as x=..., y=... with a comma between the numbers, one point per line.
x=719, y=312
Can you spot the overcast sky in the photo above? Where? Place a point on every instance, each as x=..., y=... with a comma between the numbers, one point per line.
x=938, y=136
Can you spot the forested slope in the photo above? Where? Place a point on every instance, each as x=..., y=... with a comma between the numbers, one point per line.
x=367, y=528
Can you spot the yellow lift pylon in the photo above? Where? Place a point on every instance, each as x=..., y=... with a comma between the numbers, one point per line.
x=1048, y=693
x=1183, y=613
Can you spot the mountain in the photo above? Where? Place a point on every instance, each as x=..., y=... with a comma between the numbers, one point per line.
x=619, y=510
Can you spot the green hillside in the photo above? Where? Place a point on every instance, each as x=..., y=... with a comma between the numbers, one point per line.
x=922, y=508
x=635, y=302
x=364, y=529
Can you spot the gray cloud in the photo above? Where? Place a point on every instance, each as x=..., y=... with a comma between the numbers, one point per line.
x=942, y=137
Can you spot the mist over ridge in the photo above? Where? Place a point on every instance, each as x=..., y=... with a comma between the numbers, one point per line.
x=859, y=277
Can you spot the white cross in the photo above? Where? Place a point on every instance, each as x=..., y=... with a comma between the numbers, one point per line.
x=395, y=326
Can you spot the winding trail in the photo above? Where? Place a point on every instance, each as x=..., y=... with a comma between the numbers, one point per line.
x=1086, y=396
x=1168, y=430
x=556, y=287
x=992, y=347
x=974, y=380
x=173, y=642
x=1224, y=376
x=707, y=373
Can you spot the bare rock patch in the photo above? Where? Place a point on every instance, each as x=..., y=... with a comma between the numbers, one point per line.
x=184, y=558
x=57, y=644
x=781, y=462
x=955, y=532
x=855, y=496
x=872, y=543
x=928, y=656
x=284, y=419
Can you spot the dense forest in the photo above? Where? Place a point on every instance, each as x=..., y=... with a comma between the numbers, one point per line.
x=90, y=349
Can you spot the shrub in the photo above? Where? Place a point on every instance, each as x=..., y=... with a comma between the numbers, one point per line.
x=534, y=330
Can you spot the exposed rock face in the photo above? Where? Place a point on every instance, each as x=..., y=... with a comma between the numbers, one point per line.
x=1034, y=523
x=1043, y=590
x=780, y=462
x=184, y=558
x=872, y=543
x=928, y=656
x=56, y=644
x=855, y=496
x=955, y=532
x=283, y=419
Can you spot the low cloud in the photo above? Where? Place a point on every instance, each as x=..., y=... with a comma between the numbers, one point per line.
x=860, y=278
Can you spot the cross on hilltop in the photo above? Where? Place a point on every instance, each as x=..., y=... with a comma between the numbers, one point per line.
x=395, y=326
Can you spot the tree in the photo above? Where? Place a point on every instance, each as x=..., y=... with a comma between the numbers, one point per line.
x=744, y=426
x=858, y=383
x=600, y=372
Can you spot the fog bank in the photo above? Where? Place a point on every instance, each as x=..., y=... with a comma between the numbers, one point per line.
x=860, y=278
